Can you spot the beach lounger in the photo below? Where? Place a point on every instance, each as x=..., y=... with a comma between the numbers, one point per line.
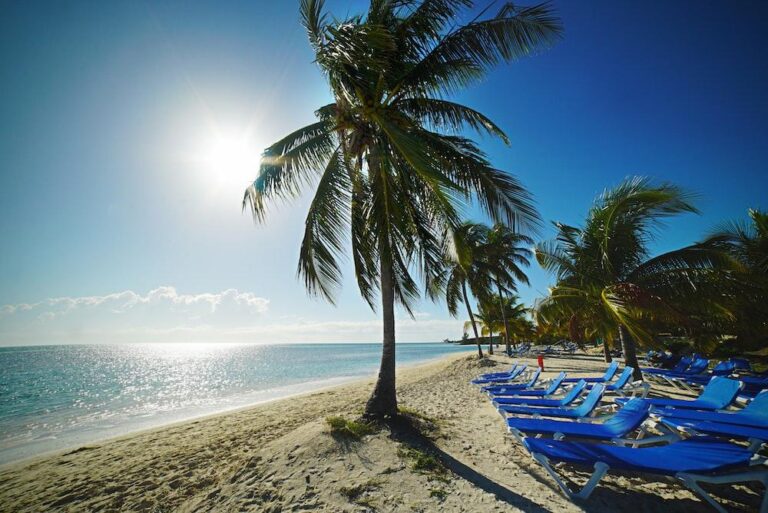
x=692, y=461
x=755, y=414
x=581, y=411
x=502, y=389
x=718, y=394
x=615, y=429
x=756, y=436
x=506, y=391
x=624, y=385
x=610, y=372
x=689, y=383
x=566, y=400
x=502, y=373
x=681, y=365
x=753, y=386
x=502, y=377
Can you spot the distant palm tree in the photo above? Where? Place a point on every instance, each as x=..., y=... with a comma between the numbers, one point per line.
x=490, y=321
x=390, y=167
x=465, y=268
x=604, y=269
x=507, y=252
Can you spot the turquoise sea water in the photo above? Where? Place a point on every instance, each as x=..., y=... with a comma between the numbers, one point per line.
x=53, y=397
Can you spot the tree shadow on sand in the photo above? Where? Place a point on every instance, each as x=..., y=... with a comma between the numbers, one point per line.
x=403, y=431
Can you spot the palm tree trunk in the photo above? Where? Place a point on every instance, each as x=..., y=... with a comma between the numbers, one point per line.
x=472, y=319
x=383, y=401
x=490, y=339
x=504, y=319
x=630, y=353
x=607, y=351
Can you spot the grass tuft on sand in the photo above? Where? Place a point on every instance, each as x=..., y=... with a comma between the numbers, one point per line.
x=349, y=429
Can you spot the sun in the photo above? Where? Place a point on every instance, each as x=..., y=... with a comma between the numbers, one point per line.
x=230, y=160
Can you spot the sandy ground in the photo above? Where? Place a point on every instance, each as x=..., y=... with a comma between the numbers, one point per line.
x=281, y=456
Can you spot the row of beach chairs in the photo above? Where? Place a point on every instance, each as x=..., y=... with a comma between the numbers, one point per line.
x=608, y=422
x=691, y=373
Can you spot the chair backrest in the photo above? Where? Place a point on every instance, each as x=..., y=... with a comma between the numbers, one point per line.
x=611, y=371
x=758, y=407
x=698, y=366
x=624, y=378
x=723, y=368
x=591, y=401
x=741, y=364
x=720, y=392
x=534, y=378
x=573, y=393
x=555, y=383
x=683, y=364
x=629, y=417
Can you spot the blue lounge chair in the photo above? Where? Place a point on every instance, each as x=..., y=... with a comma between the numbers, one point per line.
x=505, y=391
x=742, y=364
x=615, y=429
x=692, y=461
x=755, y=414
x=724, y=368
x=756, y=436
x=625, y=385
x=581, y=411
x=566, y=400
x=718, y=394
x=502, y=373
x=502, y=377
x=753, y=386
x=683, y=364
x=502, y=389
x=610, y=372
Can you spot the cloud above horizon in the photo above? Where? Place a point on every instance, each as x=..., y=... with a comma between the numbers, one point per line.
x=165, y=315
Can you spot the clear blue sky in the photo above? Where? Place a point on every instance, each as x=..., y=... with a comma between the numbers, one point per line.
x=119, y=222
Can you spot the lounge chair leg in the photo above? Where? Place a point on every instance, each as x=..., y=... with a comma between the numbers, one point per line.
x=692, y=481
x=600, y=470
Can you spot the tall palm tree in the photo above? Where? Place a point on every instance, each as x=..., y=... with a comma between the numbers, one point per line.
x=506, y=252
x=390, y=166
x=604, y=268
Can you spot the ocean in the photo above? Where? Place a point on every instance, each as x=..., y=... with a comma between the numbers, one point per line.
x=56, y=397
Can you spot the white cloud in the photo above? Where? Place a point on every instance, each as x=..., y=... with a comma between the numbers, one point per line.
x=165, y=315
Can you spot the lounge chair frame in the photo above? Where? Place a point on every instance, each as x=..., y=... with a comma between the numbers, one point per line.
x=690, y=480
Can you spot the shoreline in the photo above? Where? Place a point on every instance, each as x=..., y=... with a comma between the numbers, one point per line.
x=282, y=456
x=321, y=385
x=25, y=445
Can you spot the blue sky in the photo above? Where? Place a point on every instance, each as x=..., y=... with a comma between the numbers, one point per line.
x=120, y=197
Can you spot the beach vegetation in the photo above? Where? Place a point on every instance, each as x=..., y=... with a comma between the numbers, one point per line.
x=388, y=160
x=349, y=429
x=422, y=461
x=439, y=493
x=354, y=492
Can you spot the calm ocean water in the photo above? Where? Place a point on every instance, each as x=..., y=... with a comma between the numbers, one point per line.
x=53, y=397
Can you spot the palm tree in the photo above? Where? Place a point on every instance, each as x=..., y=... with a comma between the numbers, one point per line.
x=464, y=267
x=516, y=325
x=506, y=252
x=490, y=322
x=390, y=166
x=747, y=286
x=604, y=269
